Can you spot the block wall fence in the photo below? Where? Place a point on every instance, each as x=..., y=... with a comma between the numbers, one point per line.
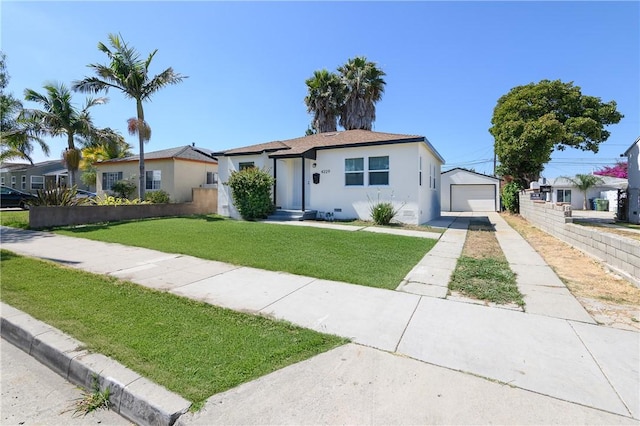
x=620, y=254
x=205, y=201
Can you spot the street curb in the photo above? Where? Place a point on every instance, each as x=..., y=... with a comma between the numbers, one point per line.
x=132, y=396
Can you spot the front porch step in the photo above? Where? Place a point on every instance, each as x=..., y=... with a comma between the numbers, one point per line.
x=292, y=215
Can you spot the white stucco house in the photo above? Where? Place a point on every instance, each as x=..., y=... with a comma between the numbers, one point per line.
x=464, y=190
x=564, y=191
x=174, y=170
x=633, y=197
x=340, y=174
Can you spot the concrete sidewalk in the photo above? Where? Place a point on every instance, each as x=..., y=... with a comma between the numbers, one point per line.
x=548, y=350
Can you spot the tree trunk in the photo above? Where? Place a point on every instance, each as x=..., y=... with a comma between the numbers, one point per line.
x=141, y=136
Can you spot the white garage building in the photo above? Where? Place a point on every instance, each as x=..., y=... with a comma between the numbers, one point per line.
x=462, y=190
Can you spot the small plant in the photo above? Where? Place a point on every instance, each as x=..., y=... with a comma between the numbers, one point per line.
x=251, y=190
x=57, y=197
x=123, y=188
x=383, y=212
x=109, y=200
x=93, y=400
x=510, y=194
x=157, y=197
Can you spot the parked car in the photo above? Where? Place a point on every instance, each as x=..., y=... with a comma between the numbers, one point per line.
x=81, y=193
x=10, y=197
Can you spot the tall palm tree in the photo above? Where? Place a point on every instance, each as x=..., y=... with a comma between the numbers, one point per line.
x=58, y=117
x=364, y=87
x=584, y=183
x=17, y=134
x=129, y=74
x=324, y=99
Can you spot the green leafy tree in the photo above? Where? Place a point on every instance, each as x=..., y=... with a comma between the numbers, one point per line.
x=584, y=183
x=59, y=117
x=509, y=197
x=364, y=85
x=251, y=190
x=129, y=73
x=17, y=134
x=325, y=99
x=532, y=121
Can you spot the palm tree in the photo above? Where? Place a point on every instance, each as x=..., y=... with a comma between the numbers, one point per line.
x=17, y=134
x=129, y=74
x=324, y=99
x=59, y=117
x=584, y=183
x=364, y=87
x=105, y=144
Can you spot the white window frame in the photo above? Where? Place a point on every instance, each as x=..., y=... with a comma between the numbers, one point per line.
x=1, y=180
x=211, y=178
x=13, y=181
x=243, y=165
x=34, y=185
x=352, y=169
x=564, y=192
x=23, y=182
x=153, y=180
x=109, y=178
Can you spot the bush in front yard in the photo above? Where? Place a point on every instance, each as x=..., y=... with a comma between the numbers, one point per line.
x=251, y=190
x=157, y=197
x=123, y=188
x=510, y=194
x=382, y=213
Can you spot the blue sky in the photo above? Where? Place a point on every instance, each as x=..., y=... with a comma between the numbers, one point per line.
x=447, y=63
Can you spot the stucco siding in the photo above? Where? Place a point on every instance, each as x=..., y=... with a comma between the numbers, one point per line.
x=634, y=183
x=465, y=177
x=227, y=165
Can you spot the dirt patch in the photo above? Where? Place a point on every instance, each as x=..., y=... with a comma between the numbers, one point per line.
x=481, y=242
x=610, y=299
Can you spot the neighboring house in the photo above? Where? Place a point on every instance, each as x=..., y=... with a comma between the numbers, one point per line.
x=340, y=175
x=633, y=197
x=175, y=170
x=31, y=177
x=563, y=191
x=464, y=190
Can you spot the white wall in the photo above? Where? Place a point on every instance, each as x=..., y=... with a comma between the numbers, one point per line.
x=577, y=196
x=463, y=177
x=227, y=165
x=348, y=202
x=634, y=184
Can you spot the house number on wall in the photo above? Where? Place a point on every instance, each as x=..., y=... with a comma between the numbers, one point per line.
x=325, y=171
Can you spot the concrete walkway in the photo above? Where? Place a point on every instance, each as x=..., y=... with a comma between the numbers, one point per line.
x=552, y=349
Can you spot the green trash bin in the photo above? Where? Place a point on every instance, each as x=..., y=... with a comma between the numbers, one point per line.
x=602, y=205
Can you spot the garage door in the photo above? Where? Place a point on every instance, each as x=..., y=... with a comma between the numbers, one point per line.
x=473, y=198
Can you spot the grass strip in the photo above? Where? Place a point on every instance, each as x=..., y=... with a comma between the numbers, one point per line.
x=482, y=272
x=365, y=258
x=486, y=279
x=15, y=219
x=191, y=348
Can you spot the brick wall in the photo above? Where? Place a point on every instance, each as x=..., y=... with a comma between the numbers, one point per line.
x=620, y=254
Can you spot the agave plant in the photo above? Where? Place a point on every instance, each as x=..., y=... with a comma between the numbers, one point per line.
x=58, y=197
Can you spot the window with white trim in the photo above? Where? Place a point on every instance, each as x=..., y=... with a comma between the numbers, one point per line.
x=152, y=179
x=109, y=178
x=2, y=180
x=420, y=172
x=13, y=181
x=563, y=196
x=23, y=184
x=37, y=182
x=379, y=170
x=354, y=171
x=212, y=178
x=246, y=165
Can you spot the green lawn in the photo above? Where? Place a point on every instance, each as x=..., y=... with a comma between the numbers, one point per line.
x=192, y=348
x=15, y=218
x=376, y=260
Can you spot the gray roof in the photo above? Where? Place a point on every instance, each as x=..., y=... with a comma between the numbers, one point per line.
x=349, y=138
x=470, y=171
x=187, y=152
x=626, y=153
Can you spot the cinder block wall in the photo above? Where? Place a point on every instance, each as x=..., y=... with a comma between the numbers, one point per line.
x=205, y=201
x=620, y=254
